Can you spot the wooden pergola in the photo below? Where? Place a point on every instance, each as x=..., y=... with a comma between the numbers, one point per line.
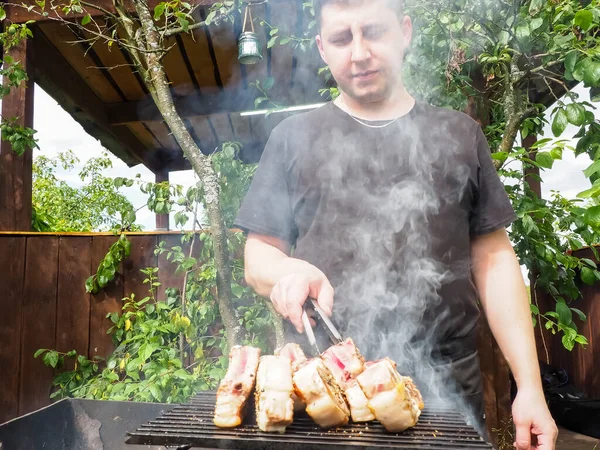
x=99, y=87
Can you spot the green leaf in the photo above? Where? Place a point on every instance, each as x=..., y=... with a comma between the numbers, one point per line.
x=579, y=313
x=592, y=192
x=237, y=290
x=545, y=160
x=587, y=276
x=580, y=339
x=86, y=19
x=592, y=216
x=571, y=61
x=575, y=114
x=568, y=342
x=535, y=6
x=536, y=23
x=560, y=122
x=564, y=313
x=259, y=100
x=2, y=13
x=155, y=391
x=159, y=10
x=528, y=224
x=39, y=352
x=592, y=169
x=272, y=41
x=522, y=32
x=51, y=358
x=556, y=153
x=584, y=19
x=591, y=74
x=500, y=156
x=534, y=309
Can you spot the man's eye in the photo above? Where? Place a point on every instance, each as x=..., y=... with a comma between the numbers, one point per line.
x=374, y=34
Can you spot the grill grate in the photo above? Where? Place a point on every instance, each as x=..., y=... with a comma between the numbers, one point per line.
x=191, y=425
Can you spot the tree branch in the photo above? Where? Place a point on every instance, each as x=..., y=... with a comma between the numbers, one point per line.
x=157, y=80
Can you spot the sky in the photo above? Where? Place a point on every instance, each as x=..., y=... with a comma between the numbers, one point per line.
x=57, y=131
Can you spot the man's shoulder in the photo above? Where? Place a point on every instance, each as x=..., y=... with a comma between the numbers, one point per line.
x=438, y=115
x=304, y=121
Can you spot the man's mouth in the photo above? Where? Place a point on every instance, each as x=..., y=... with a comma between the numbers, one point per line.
x=366, y=75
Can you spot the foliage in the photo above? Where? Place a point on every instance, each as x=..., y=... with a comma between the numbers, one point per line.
x=13, y=75
x=109, y=265
x=158, y=338
x=147, y=364
x=96, y=205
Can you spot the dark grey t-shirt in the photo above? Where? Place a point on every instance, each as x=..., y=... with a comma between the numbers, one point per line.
x=388, y=215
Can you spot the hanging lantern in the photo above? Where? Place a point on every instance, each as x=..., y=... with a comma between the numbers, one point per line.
x=249, y=48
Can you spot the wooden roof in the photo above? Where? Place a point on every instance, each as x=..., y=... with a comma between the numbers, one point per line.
x=99, y=88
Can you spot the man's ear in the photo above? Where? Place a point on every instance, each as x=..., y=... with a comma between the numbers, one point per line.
x=407, y=30
x=320, y=47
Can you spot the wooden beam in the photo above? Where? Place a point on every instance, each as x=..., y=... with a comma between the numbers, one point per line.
x=195, y=105
x=162, y=220
x=17, y=10
x=15, y=171
x=55, y=75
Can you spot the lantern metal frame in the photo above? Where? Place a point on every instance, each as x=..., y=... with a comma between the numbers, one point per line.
x=249, y=48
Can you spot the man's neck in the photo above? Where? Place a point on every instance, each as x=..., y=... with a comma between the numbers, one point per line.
x=391, y=108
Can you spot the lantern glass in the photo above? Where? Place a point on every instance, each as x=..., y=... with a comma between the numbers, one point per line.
x=249, y=48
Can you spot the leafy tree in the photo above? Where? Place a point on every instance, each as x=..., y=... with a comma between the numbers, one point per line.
x=96, y=205
x=494, y=58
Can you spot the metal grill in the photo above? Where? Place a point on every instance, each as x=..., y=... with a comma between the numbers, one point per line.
x=191, y=425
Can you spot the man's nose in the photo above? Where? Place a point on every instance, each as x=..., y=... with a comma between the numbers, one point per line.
x=360, y=51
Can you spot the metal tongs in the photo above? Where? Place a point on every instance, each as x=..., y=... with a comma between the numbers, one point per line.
x=322, y=319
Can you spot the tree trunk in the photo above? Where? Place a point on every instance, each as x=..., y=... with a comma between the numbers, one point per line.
x=158, y=85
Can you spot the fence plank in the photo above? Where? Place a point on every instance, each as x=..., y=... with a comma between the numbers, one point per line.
x=502, y=388
x=593, y=319
x=39, y=320
x=105, y=301
x=12, y=271
x=73, y=305
x=141, y=257
x=486, y=361
x=166, y=268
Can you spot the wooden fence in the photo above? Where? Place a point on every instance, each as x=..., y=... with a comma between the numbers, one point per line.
x=582, y=363
x=44, y=305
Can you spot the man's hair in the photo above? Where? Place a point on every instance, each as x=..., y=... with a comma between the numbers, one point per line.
x=396, y=5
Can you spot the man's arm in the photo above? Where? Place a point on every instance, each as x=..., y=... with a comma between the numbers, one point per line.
x=505, y=302
x=287, y=281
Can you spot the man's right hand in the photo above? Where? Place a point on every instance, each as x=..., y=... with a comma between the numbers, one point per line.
x=291, y=291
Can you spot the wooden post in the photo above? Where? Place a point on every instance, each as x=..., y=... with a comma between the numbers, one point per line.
x=15, y=171
x=162, y=220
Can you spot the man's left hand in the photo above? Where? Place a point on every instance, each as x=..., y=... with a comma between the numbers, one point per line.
x=535, y=426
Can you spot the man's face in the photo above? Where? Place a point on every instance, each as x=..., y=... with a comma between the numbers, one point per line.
x=364, y=45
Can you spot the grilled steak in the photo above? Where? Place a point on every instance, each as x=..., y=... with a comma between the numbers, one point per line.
x=235, y=389
x=324, y=399
x=294, y=353
x=345, y=363
x=298, y=359
x=395, y=405
x=274, y=405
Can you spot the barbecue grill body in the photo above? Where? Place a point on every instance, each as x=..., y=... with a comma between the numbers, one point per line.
x=76, y=424
x=191, y=426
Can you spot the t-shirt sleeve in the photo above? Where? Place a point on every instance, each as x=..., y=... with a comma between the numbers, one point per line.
x=266, y=209
x=492, y=209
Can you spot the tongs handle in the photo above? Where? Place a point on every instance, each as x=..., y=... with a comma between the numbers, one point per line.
x=332, y=331
x=310, y=334
x=334, y=335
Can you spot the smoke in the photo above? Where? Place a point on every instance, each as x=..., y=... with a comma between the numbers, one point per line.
x=389, y=249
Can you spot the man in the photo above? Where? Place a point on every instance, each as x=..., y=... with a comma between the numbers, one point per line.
x=397, y=205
